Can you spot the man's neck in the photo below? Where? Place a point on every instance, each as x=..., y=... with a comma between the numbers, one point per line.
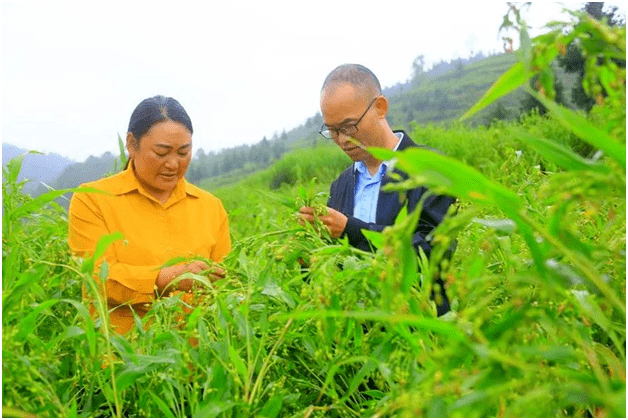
x=390, y=142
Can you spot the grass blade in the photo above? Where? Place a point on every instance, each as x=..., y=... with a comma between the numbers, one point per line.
x=509, y=81
x=586, y=131
x=561, y=155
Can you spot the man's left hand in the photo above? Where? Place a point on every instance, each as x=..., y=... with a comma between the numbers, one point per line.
x=333, y=220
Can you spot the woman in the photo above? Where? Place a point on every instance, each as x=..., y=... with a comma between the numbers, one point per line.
x=159, y=213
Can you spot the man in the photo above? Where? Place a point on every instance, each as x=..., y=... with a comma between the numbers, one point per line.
x=354, y=115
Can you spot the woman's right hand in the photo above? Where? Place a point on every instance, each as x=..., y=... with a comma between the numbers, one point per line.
x=168, y=274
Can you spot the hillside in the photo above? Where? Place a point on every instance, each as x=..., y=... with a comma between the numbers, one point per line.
x=440, y=95
x=38, y=168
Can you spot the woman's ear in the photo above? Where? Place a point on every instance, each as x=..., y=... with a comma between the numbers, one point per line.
x=131, y=143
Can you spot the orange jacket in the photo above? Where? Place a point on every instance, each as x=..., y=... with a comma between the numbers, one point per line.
x=192, y=222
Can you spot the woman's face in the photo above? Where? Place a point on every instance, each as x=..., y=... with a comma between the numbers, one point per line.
x=162, y=157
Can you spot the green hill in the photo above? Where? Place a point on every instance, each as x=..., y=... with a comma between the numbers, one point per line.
x=440, y=95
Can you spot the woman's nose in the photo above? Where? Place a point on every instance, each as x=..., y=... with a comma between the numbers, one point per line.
x=172, y=163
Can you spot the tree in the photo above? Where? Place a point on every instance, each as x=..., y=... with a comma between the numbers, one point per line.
x=418, y=71
x=459, y=67
x=498, y=112
x=528, y=103
x=573, y=61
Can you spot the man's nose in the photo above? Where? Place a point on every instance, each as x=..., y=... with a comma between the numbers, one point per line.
x=341, y=138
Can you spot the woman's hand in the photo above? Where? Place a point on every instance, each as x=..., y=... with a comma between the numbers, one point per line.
x=168, y=274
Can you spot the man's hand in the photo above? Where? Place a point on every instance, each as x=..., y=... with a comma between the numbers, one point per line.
x=333, y=220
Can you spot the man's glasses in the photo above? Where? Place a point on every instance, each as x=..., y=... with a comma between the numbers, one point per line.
x=347, y=130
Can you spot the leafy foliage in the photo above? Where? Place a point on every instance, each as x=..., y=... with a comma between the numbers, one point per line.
x=304, y=326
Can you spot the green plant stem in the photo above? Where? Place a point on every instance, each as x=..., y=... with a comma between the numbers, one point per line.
x=104, y=316
x=267, y=360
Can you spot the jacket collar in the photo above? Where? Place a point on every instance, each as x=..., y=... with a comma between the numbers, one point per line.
x=405, y=142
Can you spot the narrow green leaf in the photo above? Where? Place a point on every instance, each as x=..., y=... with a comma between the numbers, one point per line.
x=495, y=331
x=47, y=197
x=173, y=261
x=506, y=226
x=162, y=405
x=13, y=168
x=101, y=247
x=427, y=324
x=509, y=81
x=585, y=130
x=446, y=175
x=560, y=154
x=547, y=81
x=375, y=238
x=281, y=199
x=368, y=367
x=27, y=325
x=272, y=407
x=238, y=363
x=90, y=332
x=123, y=157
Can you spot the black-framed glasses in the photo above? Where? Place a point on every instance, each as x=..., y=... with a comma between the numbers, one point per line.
x=347, y=130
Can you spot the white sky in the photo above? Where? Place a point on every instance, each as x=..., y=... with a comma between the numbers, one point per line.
x=72, y=73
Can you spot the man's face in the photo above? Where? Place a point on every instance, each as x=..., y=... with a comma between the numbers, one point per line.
x=342, y=107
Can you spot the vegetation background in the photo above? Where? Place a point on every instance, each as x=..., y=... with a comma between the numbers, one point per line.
x=303, y=326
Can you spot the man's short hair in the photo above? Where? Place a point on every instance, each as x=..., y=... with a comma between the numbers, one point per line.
x=356, y=75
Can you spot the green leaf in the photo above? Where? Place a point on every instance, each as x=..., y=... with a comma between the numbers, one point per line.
x=123, y=158
x=375, y=238
x=369, y=366
x=173, y=261
x=238, y=363
x=525, y=46
x=90, y=332
x=27, y=325
x=45, y=198
x=12, y=170
x=446, y=175
x=560, y=154
x=495, y=331
x=273, y=290
x=427, y=324
x=585, y=130
x=547, y=81
x=281, y=199
x=211, y=408
x=101, y=247
x=162, y=405
x=272, y=407
x=506, y=226
x=303, y=195
x=438, y=408
x=509, y=81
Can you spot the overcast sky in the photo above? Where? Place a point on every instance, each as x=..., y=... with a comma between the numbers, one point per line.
x=72, y=73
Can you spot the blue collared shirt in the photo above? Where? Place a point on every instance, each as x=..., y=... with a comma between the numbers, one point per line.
x=367, y=189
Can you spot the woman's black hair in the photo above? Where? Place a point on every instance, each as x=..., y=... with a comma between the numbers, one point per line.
x=155, y=110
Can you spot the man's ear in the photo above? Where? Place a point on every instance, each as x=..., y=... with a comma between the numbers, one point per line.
x=131, y=142
x=381, y=106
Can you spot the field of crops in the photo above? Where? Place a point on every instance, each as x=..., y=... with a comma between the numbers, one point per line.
x=308, y=327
